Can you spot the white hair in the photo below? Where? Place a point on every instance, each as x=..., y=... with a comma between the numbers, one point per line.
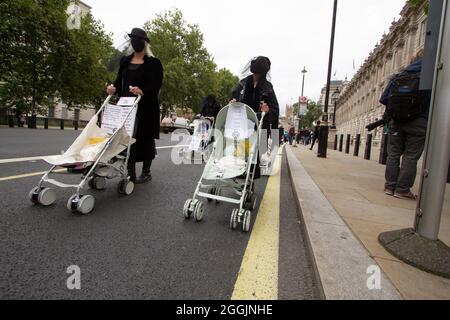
x=148, y=49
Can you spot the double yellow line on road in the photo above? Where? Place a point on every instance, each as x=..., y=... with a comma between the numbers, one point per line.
x=258, y=275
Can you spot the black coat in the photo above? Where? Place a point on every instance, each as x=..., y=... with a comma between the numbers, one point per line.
x=246, y=93
x=210, y=110
x=148, y=116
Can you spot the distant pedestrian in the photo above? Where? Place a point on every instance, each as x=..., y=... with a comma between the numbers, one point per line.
x=210, y=107
x=407, y=109
x=316, y=134
x=291, y=136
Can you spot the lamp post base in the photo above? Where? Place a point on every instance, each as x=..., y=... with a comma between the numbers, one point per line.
x=427, y=255
x=323, y=141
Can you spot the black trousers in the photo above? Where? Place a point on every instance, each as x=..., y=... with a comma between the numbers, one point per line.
x=146, y=166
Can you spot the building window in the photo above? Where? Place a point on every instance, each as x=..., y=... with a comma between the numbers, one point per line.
x=422, y=34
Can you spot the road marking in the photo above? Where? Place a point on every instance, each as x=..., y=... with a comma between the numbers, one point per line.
x=27, y=175
x=3, y=161
x=258, y=275
x=21, y=159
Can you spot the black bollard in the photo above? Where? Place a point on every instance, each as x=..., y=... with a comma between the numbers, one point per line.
x=384, y=149
x=75, y=124
x=347, y=145
x=336, y=138
x=368, y=151
x=357, y=143
x=341, y=143
x=61, y=125
x=45, y=123
x=11, y=120
x=448, y=174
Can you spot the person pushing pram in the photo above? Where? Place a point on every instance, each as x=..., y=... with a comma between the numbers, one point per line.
x=256, y=91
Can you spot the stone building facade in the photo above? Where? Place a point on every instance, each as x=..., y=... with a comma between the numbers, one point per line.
x=334, y=84
x=359, y=104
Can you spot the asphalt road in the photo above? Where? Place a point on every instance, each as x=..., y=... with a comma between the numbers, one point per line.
x=137, y=247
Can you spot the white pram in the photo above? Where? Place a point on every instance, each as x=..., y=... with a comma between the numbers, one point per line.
x=231, y=166
x=198, y=142
x=97, y=154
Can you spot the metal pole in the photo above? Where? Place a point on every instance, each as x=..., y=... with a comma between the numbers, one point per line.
x=323, y=139
x=437, y=147
x=300, y=101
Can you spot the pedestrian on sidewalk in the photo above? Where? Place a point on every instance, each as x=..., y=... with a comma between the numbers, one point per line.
x=315, y=134
x=407, y=110
x=291, y=135
x=140, y=73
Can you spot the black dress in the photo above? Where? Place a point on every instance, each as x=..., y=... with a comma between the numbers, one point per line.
x=148, y=77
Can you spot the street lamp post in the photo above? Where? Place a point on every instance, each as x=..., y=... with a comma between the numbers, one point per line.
x=335, y=98
x=324, y=130
x=299, y=116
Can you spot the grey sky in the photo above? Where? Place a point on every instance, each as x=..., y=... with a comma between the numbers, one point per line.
x=292, y=33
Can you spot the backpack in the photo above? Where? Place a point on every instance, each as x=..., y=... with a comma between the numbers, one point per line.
x=406, y=102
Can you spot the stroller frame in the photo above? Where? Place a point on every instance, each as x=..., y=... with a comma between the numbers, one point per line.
x=205, y=142
x=243, y=188
x=84, y=204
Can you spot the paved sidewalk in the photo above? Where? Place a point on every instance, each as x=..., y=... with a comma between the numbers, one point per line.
x=354, y=188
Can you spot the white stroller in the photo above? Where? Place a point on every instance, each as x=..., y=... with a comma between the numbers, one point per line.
x=198, y=142
x=231, y=166
x=97, y=154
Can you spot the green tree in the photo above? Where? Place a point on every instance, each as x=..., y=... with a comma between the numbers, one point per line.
x=314, y=112
x=41, y=59
x=190, y=73
x=84, y=71
x=227, y=83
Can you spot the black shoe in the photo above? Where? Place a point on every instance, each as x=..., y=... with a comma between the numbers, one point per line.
x=144, y=178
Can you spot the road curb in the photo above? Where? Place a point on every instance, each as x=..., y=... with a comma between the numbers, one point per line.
x=340, y=261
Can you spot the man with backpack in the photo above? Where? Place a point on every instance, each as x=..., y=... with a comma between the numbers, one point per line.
x=407, y=110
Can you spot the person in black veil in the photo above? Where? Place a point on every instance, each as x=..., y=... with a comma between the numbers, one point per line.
x=256, y=91
x=140, y=73
x=210, y=108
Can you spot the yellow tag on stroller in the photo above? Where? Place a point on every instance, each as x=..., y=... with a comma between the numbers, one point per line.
x=96, y=140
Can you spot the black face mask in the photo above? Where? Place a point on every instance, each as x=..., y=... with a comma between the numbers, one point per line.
x=137, y=44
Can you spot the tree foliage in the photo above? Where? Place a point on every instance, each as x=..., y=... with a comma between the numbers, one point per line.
x=42, y=60
x=313, y=114
x=190, y=72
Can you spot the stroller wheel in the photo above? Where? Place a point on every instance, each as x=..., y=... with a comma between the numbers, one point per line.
x=189, y=208
x=72, y=203
x=211, y=191
x=234, y=220
x=217, y=193
x=199, y=211
x=86, y=204
x=246, y=221
x=98, y=183
x=250, y=202
x=126, y=187
x=46, y=196
x=33, y=195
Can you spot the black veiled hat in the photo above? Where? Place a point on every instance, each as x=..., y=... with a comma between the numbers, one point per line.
x=260, y=65
x=139, y=33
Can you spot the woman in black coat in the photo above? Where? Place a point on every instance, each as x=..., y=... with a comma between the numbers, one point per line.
x=210, y=108
x=257, y=92
x=141, y=74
